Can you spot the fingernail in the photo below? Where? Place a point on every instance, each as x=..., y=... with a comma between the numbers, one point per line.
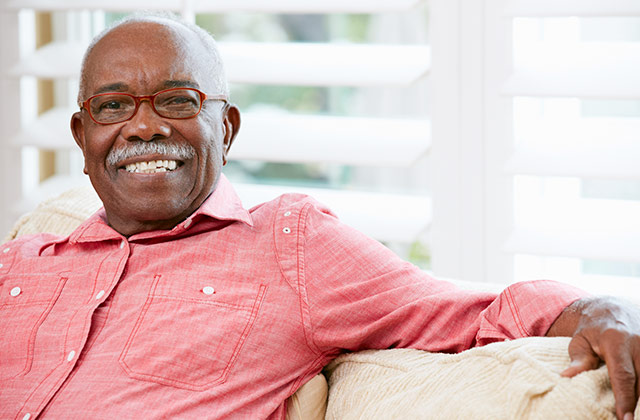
x=628, y=416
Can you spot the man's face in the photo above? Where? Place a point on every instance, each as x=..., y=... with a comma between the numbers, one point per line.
x=142, y=59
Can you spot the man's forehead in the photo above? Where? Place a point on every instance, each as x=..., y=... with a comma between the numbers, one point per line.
x=146, y=38
x=158, y=55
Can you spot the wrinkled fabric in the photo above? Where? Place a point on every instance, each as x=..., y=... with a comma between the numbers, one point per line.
x=518, y=379
x=225, y=315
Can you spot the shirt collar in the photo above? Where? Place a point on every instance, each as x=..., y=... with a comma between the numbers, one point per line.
x=222, y=204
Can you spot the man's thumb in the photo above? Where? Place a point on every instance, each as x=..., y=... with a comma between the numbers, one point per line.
x=582, y=358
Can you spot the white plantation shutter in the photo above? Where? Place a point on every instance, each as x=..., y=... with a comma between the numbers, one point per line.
x=564, y=60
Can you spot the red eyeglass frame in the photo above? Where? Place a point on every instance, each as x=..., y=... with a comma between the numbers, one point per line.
x=139, y=98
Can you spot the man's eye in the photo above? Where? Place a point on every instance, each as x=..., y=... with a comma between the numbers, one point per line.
x=179, y=100
x=111, y=105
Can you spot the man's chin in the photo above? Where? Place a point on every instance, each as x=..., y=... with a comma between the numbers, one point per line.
x=145, y=213
x=134, y=224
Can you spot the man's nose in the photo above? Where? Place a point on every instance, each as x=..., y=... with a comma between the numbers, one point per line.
x=146, y=125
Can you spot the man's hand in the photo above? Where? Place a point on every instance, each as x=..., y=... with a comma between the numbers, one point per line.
x=605, y=330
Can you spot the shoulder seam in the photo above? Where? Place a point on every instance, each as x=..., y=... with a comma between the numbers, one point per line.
x=302, y=289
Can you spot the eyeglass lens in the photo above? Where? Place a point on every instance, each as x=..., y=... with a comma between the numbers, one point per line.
x=175, y=103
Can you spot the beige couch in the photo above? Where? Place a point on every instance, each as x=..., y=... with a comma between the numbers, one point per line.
x=510, y=380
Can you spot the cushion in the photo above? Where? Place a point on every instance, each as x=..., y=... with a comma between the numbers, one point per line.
x=310, y=401
x=517, y=379
x=59, y=215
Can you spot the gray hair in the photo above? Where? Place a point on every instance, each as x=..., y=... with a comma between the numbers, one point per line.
x=216, y=66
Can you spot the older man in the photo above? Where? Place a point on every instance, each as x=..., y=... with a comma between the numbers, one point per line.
x=175, y=301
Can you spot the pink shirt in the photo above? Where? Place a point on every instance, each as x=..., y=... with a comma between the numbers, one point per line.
x=225, y=315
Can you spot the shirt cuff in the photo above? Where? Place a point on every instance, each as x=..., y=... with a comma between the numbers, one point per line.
x=526, y=309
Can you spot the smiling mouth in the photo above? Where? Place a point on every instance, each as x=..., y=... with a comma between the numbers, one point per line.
x=152, y=166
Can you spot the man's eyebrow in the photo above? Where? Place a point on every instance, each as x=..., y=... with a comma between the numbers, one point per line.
x=112, y=87
x=168, y=84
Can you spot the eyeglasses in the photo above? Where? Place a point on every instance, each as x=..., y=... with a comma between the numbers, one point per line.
x=175, y=103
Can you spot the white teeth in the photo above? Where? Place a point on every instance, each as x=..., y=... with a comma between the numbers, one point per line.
x=152, y=167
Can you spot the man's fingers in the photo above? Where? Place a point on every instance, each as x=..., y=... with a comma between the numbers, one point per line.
x=580, y=365
x=623, y=380
x=637, y=404
x=582, y=357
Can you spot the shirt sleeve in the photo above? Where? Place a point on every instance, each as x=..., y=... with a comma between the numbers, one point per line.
x=360, y=295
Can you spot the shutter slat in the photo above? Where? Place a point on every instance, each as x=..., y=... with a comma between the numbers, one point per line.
x=584, y=228
x=590, y=70
x=583, y=147
x=325, y=64
x=561, y=8
x=617, y=160
x=625, y=287
x=274, y=63
x=343, y=140
x=624, y=246
x=56, y=60
x=385, y=217
x=50, y=131
x=307, y=6
x=224, y=6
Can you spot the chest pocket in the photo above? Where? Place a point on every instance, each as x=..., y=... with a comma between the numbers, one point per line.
x=25, y=302
x=189, y=334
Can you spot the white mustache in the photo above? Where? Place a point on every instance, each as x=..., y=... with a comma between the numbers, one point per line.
x=139, y=148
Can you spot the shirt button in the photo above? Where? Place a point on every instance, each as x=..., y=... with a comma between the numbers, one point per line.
x=26, y=416
x=0, y=265
x=15, y=291
x=100, y=294
x=288, y=213
x=71, y=355
x=208, y=290
x=286, y=230
x=6, y=250
x=187, y=223
x=122, y=244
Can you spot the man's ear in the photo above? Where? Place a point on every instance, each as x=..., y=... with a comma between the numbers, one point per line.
x=77, y=129
x=231, y=125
